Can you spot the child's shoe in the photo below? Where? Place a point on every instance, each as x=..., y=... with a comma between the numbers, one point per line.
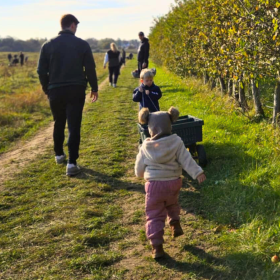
x=176, y=229
x=158, y=251
x=114, y=85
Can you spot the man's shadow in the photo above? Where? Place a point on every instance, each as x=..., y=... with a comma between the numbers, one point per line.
x=113, y=182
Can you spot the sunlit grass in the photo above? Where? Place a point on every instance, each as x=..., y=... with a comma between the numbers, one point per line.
x=23, y=106
x=54, y=227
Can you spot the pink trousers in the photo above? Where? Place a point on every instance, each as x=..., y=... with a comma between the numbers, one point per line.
x=161, y=202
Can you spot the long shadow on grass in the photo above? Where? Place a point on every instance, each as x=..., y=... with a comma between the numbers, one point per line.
x=176, y=90
x=171, y=89
x=111, y=181
x=204, y=268
x=207, y=265
x=228, y=197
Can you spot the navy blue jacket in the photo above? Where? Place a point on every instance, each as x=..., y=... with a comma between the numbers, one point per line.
x=148, y=101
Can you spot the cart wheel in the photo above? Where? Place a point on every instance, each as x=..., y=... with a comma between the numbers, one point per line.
x=202, y=159
x=192, y=149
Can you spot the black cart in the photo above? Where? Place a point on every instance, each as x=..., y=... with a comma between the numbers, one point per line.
x=189, y=128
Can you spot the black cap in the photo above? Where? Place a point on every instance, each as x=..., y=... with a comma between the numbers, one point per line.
x=141, y=33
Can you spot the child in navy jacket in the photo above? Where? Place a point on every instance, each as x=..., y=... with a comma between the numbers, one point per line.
x=147, y=94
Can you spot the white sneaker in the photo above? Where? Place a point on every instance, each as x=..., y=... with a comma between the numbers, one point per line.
x=114, y=85
x=60, y=159
x=72, y=169
x=110, y=84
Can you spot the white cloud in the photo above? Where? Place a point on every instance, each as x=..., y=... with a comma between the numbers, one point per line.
x=41, y=19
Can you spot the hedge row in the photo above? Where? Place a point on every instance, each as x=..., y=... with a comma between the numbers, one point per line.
x=236, y=42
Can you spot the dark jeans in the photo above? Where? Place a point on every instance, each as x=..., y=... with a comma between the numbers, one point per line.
x=115, y=70
x=67, y=103
x=140, y=68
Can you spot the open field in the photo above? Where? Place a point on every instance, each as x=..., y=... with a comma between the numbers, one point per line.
x=23, y=106
x=92, y=226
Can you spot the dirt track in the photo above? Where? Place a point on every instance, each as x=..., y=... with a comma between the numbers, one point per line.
x=25, y=152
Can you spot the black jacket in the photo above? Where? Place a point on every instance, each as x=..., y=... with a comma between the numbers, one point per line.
x=143, y=51
x=113, y=58
x=148, y=101
x=66, y=60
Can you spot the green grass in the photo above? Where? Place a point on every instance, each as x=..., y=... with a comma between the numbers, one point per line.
x=53, y=226
x=242, y=189
x=23, y=106
x=92, y=226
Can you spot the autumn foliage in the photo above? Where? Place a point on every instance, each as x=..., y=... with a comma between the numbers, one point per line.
x=235, y=42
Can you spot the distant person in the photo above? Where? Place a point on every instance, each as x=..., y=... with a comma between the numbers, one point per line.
x=26, y=59
x=160, y=161
x=113, y=58
x=147, y=94
x=10, y=58
x=21, y=56
x=143, y=52
x=123, y=54
x=130, y=56
x=15, y=60
x=65, y=64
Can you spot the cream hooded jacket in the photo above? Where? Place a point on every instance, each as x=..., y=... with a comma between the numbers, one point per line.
x=163, y=160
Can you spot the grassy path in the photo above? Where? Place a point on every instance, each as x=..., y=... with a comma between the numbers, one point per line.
x=91, y=226
x=26, y=151
x=24, y=108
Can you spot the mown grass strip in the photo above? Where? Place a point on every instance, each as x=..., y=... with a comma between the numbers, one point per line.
x=242, y=190
x=24, y=108
x=54, y=226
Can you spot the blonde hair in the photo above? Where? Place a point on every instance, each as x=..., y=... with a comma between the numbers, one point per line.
x=146, y=73
x=114, y=47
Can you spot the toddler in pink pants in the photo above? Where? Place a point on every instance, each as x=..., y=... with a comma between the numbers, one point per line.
x=160, y=161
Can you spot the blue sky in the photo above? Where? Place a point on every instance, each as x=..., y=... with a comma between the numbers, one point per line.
x=123, y=19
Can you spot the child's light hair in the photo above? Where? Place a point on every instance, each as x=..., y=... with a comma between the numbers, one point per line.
x=146, y=73
x=114, y=47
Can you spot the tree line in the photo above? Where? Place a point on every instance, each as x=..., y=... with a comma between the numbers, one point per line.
x=233, y=42
x=10, y=44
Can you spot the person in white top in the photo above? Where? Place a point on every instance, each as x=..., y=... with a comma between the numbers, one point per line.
x=160, y=161
x=113, y=58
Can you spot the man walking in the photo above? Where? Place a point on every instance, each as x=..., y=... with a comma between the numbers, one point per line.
x=65, y=65
x=143, y=52
x=10, y=58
